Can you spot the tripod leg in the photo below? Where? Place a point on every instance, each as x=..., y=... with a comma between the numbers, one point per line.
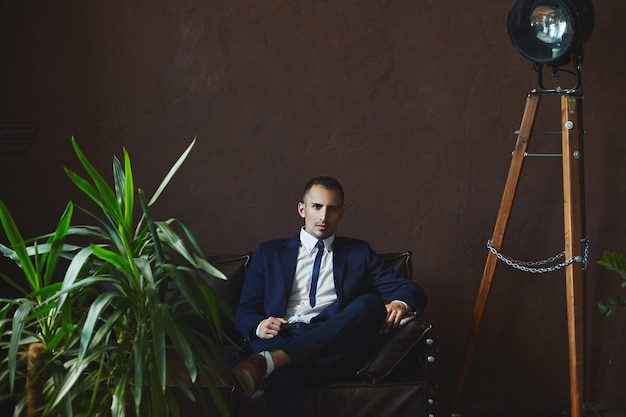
x=523, y=139
x=572, y=195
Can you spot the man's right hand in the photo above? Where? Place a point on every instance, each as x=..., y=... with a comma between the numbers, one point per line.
x=270, y=327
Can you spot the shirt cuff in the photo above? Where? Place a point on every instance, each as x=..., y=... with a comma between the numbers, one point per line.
x=256, y=332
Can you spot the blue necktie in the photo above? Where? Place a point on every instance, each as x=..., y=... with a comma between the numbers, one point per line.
x=316, y=271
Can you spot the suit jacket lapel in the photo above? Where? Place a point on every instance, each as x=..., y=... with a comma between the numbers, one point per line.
x=288, y=260
x=340, y=255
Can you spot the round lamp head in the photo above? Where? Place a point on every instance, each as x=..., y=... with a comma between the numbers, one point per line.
x=550, y=31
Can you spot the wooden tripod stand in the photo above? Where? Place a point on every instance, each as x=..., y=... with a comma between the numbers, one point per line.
x=573, y=214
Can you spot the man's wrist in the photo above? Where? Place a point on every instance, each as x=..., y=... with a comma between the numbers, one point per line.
x=407, y=308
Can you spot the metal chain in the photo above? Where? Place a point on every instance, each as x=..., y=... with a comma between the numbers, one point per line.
x=531, y=266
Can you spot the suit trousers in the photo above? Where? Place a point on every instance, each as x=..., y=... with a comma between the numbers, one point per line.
x=321, y=352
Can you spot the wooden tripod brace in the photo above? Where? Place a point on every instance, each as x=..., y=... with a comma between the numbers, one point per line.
x=573, y=226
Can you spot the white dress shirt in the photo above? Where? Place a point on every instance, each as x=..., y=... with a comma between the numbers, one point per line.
x=299, y=307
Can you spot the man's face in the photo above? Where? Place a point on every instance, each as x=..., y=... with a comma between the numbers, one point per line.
x=321, y=210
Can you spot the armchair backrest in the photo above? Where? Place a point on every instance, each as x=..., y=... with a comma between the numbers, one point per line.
x=400, y=262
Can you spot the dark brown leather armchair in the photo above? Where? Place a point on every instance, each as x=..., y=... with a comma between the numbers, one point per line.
x=397, y=381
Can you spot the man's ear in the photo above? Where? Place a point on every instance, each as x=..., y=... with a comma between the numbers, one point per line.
x=301, y=207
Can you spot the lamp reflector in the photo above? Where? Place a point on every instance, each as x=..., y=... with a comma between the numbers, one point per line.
x=550, y=25
x=549, y=31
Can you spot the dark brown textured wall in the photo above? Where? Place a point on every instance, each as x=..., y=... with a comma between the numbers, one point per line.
x=411, y=104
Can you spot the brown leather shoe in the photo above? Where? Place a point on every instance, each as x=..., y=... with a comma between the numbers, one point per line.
x=248, y=374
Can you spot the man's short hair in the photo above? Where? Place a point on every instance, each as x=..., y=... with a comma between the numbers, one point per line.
x=330, y=183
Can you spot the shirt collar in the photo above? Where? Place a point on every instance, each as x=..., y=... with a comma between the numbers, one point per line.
x=309, y=241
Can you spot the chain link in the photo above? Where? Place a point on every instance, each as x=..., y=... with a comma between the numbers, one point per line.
x=534, y=266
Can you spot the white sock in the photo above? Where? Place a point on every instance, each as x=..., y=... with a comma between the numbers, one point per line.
x=268, y=361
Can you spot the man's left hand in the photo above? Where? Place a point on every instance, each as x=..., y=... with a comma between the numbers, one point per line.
x=395, y=311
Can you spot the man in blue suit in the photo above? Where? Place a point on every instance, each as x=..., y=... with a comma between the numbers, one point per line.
x=314, y=305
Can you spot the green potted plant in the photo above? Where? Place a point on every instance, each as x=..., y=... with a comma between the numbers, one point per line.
x=106, y=308
x=617, y=263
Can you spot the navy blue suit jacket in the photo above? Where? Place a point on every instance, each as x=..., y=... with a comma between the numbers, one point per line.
x=357, y=270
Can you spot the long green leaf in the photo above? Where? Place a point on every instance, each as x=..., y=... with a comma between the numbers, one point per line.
x=158, y=335
x=170, y=238
x=171, y=173
x=95, y=310
x=19, y=246
x=57, y=374
x=190, y=236
x=105, y=196
x=139, y=348
x=179, y=382
x=208, y=267
x=56, y=242
x=179, y=340
x=158, y=248
x=111, y=257
x=75, y=374
x=112, y=234
x=125, y=197
x=115, y=322
x=129, y=195
x=145, y=272
x=16, y=338
x=120, y=396
x=119, y=180
x=201, y=262
x=87, y=188
x=199, y=295
x=73, y=270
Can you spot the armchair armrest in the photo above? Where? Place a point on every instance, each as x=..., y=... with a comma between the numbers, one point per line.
x=394, y=347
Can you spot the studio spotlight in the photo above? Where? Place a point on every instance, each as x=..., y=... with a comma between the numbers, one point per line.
x=551, y=32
